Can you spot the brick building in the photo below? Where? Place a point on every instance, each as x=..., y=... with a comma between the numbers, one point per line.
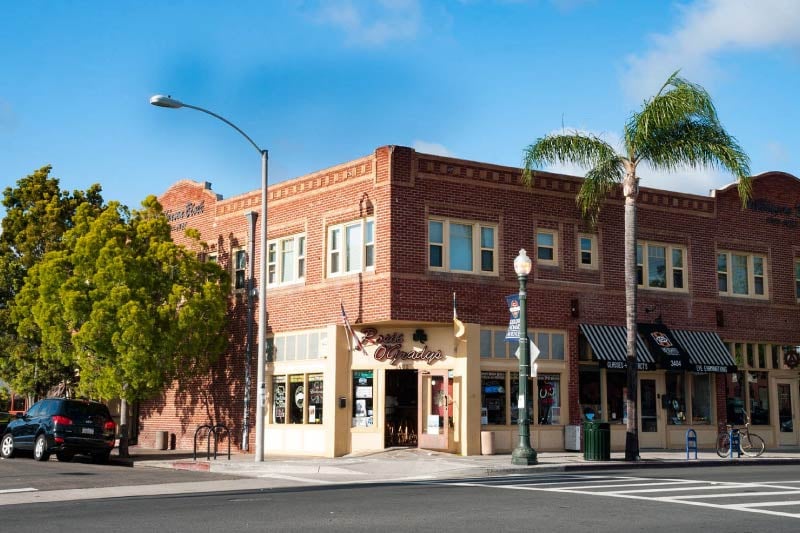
x=392, y=237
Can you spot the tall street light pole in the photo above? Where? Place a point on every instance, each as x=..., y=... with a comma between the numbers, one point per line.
x=171, y=103
x=523, y=454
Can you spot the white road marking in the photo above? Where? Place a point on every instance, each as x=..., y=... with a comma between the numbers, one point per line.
x=24, y=489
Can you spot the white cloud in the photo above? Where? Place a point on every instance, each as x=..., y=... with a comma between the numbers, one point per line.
x=431, y=148
x=708, y=28
x=686, y=180
x=371, y=22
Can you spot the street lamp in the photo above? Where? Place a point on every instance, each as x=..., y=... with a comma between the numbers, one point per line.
x=171, y=103
x=523, y=454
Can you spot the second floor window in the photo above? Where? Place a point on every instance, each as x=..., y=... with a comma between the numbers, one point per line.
x=587, y=251
x=741, y=274
x=661, y=266
x=351, y=247
x=457, y=246
x=239, y=269
x=797, y=279
x=286, y=260
x=547, y=247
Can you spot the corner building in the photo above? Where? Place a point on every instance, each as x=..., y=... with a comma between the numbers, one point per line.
x=401, y=240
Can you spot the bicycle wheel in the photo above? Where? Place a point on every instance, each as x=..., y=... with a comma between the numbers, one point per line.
x=724, y=445
x=752, y=445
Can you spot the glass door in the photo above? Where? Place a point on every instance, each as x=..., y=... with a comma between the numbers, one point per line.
x=787, y=429
x=651, y=432
x=435, y=408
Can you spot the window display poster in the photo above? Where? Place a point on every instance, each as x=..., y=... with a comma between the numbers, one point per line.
x=433, y=425
x=361, y=408
x=363, y=392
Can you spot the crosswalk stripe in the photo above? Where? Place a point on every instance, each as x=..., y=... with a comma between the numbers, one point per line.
x=25, y=489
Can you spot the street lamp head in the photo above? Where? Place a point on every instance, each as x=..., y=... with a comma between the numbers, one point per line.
x=522, y=263
x=165, y=101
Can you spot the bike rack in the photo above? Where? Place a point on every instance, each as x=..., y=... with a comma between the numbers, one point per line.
x=691, y=442
x=214, y=430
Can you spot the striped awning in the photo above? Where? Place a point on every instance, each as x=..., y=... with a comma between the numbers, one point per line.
x=707, y=353
x=609, y=347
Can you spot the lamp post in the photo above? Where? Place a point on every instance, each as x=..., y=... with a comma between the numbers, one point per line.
x=171, y=103
x=523, y=454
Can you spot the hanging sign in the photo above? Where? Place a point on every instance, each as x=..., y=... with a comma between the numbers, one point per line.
x=513, y=324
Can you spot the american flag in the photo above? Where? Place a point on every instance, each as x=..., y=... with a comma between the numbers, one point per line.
x=351, y=333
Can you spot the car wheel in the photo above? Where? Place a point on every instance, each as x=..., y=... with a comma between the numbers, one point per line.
x=7, y=446
x=101, y=458
x=64, y=457
x=40, y=448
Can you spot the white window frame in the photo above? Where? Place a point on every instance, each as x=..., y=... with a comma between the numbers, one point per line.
x=592, y=265
x=670, y=271
x=276, y=249
x=751, y=277
x=554, y=234
x=337, y=264
x=477, y=246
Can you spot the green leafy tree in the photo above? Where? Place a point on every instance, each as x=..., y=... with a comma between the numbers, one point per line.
x=123, y=305
x=677, y=128
x=38, y=213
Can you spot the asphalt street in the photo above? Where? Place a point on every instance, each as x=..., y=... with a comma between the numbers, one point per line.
x=741, y=498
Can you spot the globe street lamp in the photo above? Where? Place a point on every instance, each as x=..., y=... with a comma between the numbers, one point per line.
x=171, y=103
x=523, y=454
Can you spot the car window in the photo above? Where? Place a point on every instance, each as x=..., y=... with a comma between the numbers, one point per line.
x=49, y=408
x=36, y=409
x=81, y=409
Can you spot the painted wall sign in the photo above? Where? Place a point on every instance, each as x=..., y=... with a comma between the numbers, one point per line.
x=778, y=214
x=190, y=209
x=389, y=347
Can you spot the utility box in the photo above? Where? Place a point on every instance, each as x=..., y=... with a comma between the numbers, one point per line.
x=572, y=438
x=162, y=440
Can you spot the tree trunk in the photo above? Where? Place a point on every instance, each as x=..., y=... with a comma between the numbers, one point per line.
x=631, y=191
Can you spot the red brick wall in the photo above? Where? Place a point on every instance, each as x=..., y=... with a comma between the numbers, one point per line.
x=402, y=188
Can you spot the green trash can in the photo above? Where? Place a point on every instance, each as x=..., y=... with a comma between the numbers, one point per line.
x=596, y=441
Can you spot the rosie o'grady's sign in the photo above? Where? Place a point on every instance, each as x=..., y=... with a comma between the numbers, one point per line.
x=190, y=209
x=389, y=347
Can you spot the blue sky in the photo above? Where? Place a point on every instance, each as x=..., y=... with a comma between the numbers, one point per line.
x=321, y=82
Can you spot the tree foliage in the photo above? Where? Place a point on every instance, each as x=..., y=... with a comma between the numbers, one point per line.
x=38, y=213
x=123, y=305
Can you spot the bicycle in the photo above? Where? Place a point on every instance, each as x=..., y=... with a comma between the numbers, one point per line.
x=750, y=444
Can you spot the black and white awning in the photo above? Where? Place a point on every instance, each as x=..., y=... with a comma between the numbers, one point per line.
x=609, y=347
x=707, y=352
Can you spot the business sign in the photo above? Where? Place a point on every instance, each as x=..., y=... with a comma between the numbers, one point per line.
x=662, y=343
x=513, y=324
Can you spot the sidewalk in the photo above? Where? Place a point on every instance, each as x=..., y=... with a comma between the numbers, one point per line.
x=407, y=464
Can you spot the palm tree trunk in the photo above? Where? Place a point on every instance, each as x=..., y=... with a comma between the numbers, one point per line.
x=631, y=191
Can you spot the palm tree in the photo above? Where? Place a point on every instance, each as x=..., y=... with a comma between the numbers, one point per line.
x=675, y=129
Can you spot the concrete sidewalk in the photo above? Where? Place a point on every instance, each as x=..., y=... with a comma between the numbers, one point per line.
x=407, y=464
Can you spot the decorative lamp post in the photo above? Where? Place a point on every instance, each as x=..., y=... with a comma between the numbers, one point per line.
x=523, y=454
x=171, y=103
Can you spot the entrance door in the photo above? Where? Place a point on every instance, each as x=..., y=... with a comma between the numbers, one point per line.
x=787, y=429
x=651, y=423
x=434, y=410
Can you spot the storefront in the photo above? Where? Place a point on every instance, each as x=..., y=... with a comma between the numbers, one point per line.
x=677, y=386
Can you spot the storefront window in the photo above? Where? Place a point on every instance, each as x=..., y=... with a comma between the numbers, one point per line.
x=315, y=399
x=296, y=399
x=362, y=394
x=616, y=387
x=514, y=397
x=676, y=399
x=759, y=398
x=549, y=396
x=701, y=399
x=589, y=396
x=734, y=398
x=279, y=399
x=493, y=398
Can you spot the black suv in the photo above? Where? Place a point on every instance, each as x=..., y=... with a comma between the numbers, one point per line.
x=61, y=426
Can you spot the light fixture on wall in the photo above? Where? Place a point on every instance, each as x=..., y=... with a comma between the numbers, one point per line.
x=420, y=336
